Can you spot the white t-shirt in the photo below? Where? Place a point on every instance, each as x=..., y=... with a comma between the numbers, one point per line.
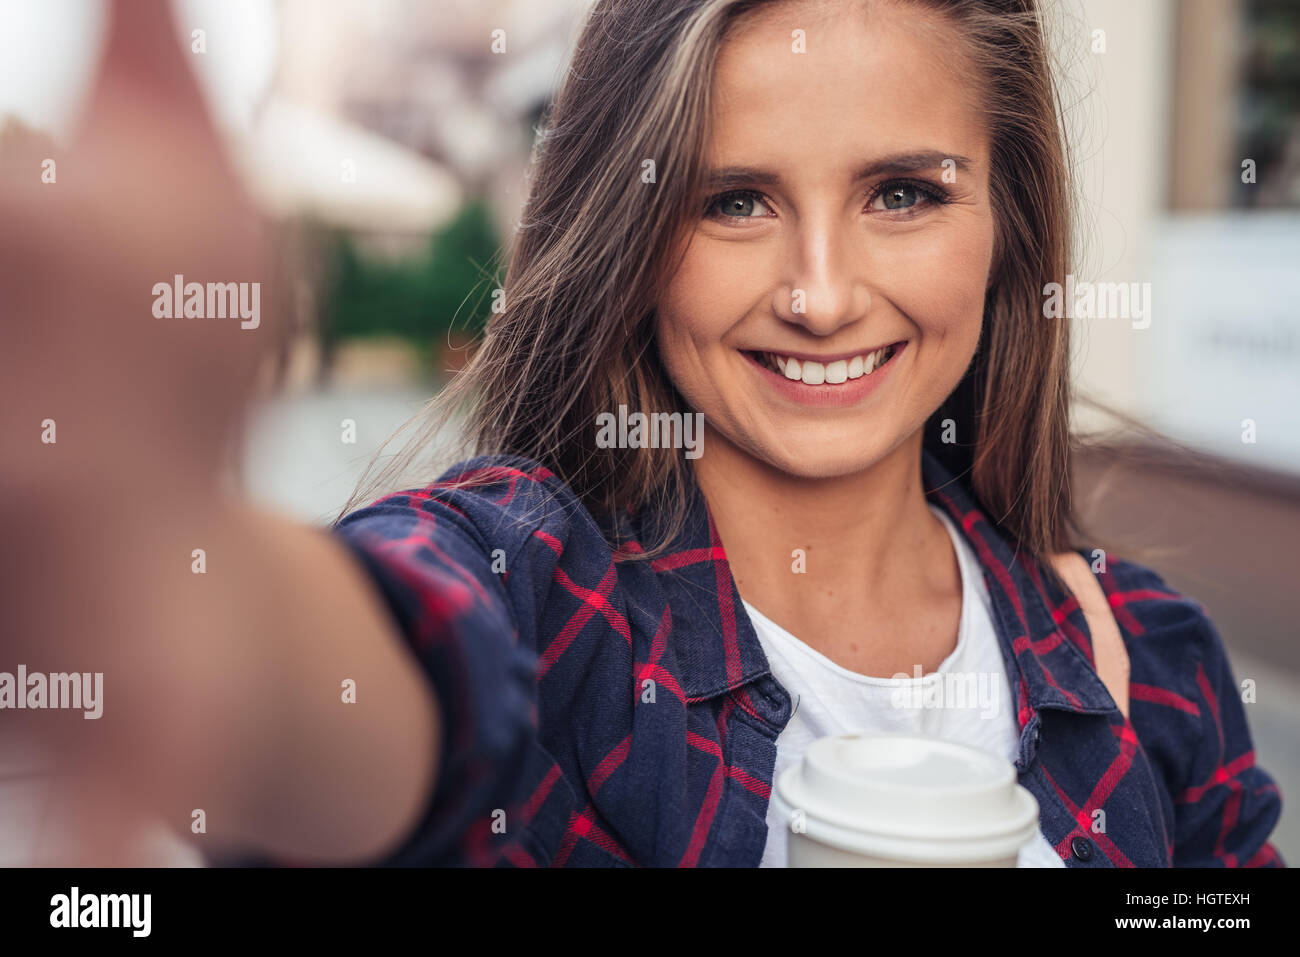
x=970, y=689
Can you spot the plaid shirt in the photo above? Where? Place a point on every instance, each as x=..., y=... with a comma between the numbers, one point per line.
x=623, y=714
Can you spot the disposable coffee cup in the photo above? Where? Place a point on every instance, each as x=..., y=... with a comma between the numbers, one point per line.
x=903, y=800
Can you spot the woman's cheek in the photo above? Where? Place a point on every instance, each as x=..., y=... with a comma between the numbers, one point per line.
x=682, y=342
x=699, y=307
x=941, y=282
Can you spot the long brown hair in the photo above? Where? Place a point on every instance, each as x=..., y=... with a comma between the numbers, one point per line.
x=595, y=246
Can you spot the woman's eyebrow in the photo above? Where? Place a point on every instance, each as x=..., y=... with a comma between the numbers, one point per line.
x=917, y=162
x=893, y=164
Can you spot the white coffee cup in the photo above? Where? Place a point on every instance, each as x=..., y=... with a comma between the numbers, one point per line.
x=903, y=800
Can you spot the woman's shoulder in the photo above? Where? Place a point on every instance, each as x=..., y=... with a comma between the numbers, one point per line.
x=1189, y=709
x=1142, y=599
x=1172, y=641
x=497, y=500
x=499, y=483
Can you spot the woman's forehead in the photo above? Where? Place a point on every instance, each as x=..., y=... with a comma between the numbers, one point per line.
x=862, y=86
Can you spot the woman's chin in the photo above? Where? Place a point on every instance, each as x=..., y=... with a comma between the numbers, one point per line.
x=825, y=460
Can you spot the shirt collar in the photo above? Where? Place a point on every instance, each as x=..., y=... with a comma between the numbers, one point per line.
x=718, y=649
x=1030, y=613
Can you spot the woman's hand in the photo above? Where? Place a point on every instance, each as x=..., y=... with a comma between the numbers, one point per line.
x=223, y=635
x=98, y=389
x=115, y=423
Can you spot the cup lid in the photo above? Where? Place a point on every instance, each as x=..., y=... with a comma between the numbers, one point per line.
x=907, y=797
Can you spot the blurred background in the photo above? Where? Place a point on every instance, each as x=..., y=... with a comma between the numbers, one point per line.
x=389, y=139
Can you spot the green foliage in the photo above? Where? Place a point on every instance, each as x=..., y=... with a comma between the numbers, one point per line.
x=449, y=286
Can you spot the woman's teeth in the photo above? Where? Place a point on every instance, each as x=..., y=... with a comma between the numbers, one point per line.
x=834, y=373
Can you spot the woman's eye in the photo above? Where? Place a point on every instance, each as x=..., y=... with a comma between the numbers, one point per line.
x=738, y=205
x=900, y=197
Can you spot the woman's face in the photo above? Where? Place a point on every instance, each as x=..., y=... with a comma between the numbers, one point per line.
x=849, y=211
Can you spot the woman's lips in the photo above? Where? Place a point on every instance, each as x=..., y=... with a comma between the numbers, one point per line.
x=847, y=392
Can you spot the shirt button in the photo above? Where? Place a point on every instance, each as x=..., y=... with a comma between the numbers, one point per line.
x=1038, y=734
x=1082, y=848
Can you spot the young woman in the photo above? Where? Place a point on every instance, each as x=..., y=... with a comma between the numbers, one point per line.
x=825, y=227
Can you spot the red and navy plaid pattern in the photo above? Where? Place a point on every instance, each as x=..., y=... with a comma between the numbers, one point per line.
x=602, y=713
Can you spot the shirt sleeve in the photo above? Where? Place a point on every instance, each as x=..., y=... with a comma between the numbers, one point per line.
x=1229, y=805
x=442, y=583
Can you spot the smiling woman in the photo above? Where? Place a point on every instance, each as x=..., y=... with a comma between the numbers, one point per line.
x=850, y=248
x=875, y=150
x=825, y=227
x=820, y=228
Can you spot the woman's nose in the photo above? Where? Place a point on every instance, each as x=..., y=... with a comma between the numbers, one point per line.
x=825, y=284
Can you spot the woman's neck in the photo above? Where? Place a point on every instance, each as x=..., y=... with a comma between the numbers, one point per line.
x=815, y=554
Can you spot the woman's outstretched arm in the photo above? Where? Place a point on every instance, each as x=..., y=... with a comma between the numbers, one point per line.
x=225, y=639
x=272, y=691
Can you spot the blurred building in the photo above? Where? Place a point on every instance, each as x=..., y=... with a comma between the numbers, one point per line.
x=462, y=82
x=1187, y=120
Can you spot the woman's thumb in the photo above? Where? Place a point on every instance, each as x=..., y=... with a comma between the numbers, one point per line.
x=145, y=65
